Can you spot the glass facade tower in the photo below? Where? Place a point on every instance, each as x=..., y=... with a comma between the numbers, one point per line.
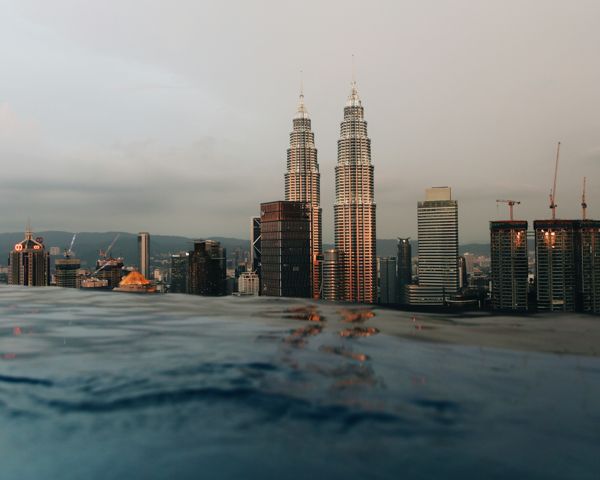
x=354, y=209
x=285, y=252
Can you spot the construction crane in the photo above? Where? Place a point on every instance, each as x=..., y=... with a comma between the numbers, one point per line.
x=553, y=192
x=102, y=253
x=69, y=252
x=583, y=204
x=511, y=203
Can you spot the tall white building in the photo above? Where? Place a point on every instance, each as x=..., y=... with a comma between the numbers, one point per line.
x=144, y=253
x=437, y=219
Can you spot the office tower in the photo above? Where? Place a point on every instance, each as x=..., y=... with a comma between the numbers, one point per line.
x=302, y=183
x=29, y=263
x=286, y=249
x=54, y=250
x=248, y=284
x=437, y=222
x=403, y=269
x=206, y=269
x=255, y=254
x=354, y=210
x=331, y=275
x=387, y=280
x=144, y=254
x=179, y=272
x=67, y=272
x=508, y=240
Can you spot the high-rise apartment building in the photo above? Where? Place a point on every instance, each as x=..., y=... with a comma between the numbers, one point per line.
x=302, y=183
x=354, y=210
x=29, y=263
x=248, y=284
x=567, y=261
x=144, y=254
x=437, y=223
x=286, y=249
x=508, y=240
x=588, y=271
x=555, y=246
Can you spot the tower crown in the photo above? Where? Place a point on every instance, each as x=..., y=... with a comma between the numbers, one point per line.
x=353, y=100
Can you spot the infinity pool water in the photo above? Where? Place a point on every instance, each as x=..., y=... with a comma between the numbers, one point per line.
x=114, y=385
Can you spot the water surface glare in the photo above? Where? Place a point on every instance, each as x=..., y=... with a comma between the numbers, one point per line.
x=100, y=385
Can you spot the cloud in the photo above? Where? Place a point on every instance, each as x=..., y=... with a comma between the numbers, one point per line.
x=13, y=130
x=136, y=87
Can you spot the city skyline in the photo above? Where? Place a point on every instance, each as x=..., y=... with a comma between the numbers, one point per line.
x=140, y=125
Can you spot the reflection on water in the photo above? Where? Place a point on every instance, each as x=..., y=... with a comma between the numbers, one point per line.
x=356, y=315
x=100, y=385
x=299, y=336
x=358, y=332
x=343, y=351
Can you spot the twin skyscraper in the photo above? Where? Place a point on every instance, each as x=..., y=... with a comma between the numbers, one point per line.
x=350, y=271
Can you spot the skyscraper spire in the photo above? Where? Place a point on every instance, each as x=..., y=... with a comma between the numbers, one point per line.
x=302, y=179
x=302, y=112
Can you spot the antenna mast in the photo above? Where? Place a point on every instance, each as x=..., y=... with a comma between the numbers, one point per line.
x=553, y=193
x=583, y=204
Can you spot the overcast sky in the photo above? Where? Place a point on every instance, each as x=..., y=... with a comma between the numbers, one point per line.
x=174, y=116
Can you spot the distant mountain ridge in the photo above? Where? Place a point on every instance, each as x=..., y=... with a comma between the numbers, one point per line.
x=88, y=244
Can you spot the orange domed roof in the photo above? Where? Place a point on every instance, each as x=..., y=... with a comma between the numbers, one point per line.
x=134, y=278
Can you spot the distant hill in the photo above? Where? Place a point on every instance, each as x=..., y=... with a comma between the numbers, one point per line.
x=88, y=244
x=387, y=248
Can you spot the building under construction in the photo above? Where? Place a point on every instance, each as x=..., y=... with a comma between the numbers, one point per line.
x=110, y=270
x=67, y=272
x=508, y=240
x=567, y=265
x=588, y=251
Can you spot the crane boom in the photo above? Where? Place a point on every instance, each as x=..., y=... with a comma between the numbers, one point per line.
x=553, y=194
x=105, y=253
x=68, y=252
x=510, y=204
